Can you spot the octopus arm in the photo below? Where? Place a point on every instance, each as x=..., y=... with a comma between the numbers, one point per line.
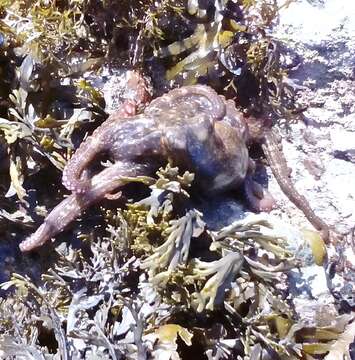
x=198, y=97
x=279, y=168
x=72, y=207
x=258, y=198
x=74, y=178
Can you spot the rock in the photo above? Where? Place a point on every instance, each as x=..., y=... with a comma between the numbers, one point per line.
x=221, y=211
x=321, y=152
x=343, y=143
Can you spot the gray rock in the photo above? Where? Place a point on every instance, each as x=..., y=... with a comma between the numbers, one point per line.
x=321, y=152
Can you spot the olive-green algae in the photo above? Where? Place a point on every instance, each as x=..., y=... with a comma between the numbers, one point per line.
x=131, y=301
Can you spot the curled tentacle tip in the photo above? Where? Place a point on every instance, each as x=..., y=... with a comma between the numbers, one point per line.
x=267, y=205
x=267, y=202
x=328, y=236
x=264, y=205
x=27, y=245
x=259, y=198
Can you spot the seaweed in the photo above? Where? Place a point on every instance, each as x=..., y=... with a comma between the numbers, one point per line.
x=129, y=301
x=233, y=50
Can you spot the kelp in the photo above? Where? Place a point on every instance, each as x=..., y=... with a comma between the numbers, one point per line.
x=231, y=49
x=34, y=136
x=53, y=31
x=132, y=296
x=224, y=43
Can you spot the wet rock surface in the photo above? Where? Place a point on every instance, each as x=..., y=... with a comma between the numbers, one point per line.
x=320, y=151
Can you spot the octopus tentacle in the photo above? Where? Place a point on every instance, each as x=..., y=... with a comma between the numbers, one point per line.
x=71, y=208
x=258, y=198
x=216, y=108
x=280, y=170
x=73, y=178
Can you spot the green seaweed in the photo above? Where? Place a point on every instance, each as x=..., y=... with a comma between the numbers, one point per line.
x=130, y=302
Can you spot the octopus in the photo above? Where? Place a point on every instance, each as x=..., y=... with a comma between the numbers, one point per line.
x=191, y=127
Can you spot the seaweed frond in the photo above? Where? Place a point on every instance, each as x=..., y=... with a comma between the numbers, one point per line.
x=232, y=49
x=144, y=285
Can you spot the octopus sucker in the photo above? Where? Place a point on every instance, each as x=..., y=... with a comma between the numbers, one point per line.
x=258, y=198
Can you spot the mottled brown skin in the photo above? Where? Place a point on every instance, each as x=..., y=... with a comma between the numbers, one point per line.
x=192, y=127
